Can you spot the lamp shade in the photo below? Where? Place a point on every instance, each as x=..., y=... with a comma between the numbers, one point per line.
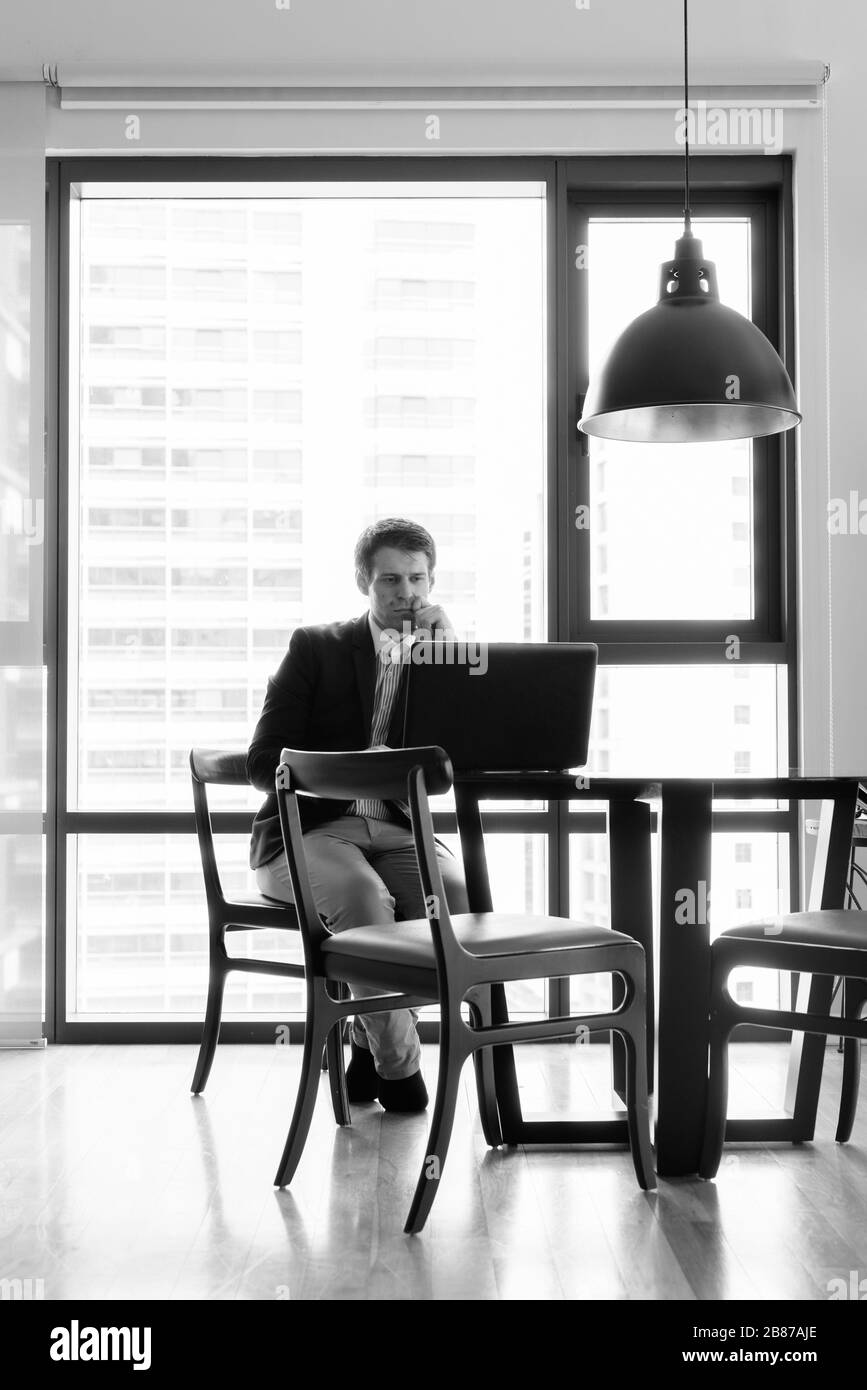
x=690, y=369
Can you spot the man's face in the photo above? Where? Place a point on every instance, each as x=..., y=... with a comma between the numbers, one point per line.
x=397, y=578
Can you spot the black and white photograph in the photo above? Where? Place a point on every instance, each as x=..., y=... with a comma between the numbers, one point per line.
x=433, y=754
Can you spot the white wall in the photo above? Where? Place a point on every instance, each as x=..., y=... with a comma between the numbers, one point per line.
x=410, y=41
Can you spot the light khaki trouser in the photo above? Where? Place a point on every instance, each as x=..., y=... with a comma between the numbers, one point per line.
x=364, y=872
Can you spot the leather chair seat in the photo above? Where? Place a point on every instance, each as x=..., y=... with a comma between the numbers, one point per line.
x=847, y=930
x=258, y=900
x=405, y=951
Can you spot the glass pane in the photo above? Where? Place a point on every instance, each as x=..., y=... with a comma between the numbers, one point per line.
x=22, y=552
x=257, y=380
x=749, y=879
x=139, y=947
x=21, y=515
x=22, y=855
x=670, y=525
x=688, y=721
x=518, y=870
x=137, y=906
x=589, y=889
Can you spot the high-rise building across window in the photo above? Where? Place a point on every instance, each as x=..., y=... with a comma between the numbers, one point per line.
x=256, y=380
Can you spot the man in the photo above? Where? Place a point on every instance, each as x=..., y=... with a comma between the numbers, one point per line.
x=339, y=688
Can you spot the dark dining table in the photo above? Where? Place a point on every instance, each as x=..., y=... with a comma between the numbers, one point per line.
x=681, y=810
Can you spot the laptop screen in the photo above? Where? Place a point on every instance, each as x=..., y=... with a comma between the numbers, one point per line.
x=505, y=706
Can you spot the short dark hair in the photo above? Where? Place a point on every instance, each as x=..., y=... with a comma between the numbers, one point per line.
x=397, y=533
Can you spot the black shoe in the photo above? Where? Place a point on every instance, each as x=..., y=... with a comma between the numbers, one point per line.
x=362, y=1082
x=408, y=1094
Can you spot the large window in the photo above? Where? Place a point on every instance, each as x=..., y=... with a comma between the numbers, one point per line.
x=675, y=560
x=252, y=380
x=258, y=369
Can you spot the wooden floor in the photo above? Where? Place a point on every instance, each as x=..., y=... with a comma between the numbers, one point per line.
x=116, y=1183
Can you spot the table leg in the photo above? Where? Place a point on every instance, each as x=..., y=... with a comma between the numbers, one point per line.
x=631, y=878
x=506, y=1102
x=684, y=975
x=488, y=1002
x=472, y=839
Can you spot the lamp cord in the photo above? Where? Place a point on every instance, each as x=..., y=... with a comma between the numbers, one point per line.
x=687, y=214
x=826, y=275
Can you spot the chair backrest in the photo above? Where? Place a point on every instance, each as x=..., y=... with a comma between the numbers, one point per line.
x=389, y=775
x=381, y=775
x=215, y=767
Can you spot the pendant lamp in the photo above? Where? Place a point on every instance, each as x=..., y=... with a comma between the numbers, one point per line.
x=689, y=370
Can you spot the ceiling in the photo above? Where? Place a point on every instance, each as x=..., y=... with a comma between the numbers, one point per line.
x=376, y=42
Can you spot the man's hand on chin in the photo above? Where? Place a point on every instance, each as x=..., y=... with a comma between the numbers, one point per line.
x=430, y=620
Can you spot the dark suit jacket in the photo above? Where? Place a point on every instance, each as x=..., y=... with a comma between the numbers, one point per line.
x=321, y=697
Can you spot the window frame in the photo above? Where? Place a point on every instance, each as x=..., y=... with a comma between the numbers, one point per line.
x=716, y=179
x=760, y=188
x=765, y=628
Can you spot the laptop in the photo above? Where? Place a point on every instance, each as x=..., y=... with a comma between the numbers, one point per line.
x=502, y=706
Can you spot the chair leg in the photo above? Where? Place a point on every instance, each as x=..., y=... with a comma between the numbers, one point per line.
x=211, y=1030
x=337, y=1075
x=854, y=1000
x=452, y=1058
x=717, y=1097
x=637, y=1103
x=483, y=1064
x=316, y=1031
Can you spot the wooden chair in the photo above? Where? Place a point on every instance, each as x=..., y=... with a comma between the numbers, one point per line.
x=244, y=912
x=853, y=992
x=822, y=942
x=443, y=959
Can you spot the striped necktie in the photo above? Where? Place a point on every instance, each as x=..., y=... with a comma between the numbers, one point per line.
x=392, y=657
